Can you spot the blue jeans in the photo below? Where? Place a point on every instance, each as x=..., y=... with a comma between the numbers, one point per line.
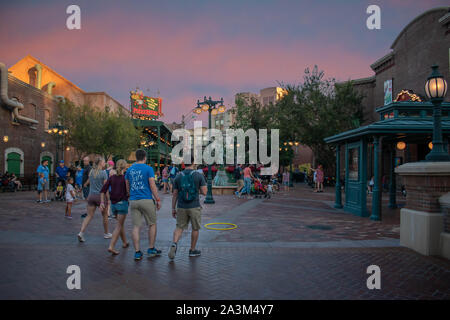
x=247, y=186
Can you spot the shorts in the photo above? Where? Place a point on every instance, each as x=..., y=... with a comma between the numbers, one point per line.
x=94, y=200
x=240, y=184
x=143, y=208
x=39, y=191
x=120, y=207
x=194, y=215
x=165, y=180
x=46, y=186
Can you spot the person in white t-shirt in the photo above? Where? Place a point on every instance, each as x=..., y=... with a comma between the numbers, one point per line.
x=70, y=197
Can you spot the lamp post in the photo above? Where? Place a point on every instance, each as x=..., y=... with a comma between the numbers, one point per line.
x=59, y=132
x=212, y=108
x=435, y=89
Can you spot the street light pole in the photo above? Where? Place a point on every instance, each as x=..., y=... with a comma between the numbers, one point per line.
x=435, y=89
x=210, y=106
x=209, y=196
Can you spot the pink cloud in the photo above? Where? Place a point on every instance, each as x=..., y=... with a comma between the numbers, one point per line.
x=178, y=59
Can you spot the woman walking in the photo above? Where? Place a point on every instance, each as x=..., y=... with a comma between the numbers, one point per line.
x=165, y=179
x=116, y=187
x=109, y=172
x=96, y=180
x=319, y=178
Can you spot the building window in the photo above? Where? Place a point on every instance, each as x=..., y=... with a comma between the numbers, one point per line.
x=47, y=119
x=32, y=77
x=33, y=111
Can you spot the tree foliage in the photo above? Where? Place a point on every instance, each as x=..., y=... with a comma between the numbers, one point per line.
x=319, y=108
x=92, y=131
x=310, y=111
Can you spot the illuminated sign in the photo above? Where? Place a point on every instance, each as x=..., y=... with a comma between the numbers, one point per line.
x=145, y=107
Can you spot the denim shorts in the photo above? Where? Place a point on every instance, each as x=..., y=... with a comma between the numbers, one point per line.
x=120, y=207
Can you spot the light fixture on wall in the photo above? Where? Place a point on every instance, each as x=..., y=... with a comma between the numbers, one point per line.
x=68, y=149
x=43, y=144
x=5, y=139
x=401, y=145
x=430, y=145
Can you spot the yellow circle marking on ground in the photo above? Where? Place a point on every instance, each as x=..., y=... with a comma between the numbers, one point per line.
x=233, y=226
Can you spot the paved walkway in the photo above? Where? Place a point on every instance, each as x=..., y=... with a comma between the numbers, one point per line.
x=293, y=246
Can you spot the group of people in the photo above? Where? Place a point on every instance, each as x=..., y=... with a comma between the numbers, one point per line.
x=133, y=189
x=10, y=181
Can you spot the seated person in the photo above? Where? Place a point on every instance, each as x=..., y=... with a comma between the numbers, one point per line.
x=59, y=190
x=17, y=184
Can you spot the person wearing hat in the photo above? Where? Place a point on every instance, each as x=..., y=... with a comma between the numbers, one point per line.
x=61, y=173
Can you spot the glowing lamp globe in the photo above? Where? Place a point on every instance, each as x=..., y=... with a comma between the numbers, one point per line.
x=436, y=86
x=401, y=145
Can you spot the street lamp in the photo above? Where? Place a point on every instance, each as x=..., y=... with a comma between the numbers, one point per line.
x=211, y=107
x=59, y=132
x=436, y=88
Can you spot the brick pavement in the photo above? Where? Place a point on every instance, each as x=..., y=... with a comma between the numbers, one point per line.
x=272, y=255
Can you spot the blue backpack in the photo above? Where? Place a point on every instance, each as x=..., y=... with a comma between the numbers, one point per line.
x=188, y=188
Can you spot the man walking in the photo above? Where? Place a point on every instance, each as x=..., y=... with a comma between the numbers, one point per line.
x=86, y=170
x=141, y=186
x=43, y=168
x=186, y=189
x=239, y=176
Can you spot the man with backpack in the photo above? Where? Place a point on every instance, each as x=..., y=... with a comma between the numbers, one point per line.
x=186, y=206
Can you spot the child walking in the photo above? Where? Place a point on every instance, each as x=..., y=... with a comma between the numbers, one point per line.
x=70, y=197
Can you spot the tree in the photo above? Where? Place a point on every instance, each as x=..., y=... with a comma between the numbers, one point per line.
x=252, y=115
x=98, y=132
x=316, y=109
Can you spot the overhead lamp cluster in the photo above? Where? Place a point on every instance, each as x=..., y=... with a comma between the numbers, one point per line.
x=208, y=105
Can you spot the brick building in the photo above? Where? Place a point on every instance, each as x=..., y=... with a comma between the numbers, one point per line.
x=37, y=88
x=423, y=42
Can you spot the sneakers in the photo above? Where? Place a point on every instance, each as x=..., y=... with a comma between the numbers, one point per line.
x=194, y=253
x=172, y=251
x=107, y=235
x=68, y=217
x=84, y=215
x=152, y=252
x=138, y=255
x=80, y=237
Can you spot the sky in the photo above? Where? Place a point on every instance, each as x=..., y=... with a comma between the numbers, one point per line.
x=189, y=49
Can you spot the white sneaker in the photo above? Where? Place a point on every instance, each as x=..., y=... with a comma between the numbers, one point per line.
x=107, y=235
x=80, y=237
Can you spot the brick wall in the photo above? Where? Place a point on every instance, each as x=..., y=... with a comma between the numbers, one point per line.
x=22, y=136
x=423, y=192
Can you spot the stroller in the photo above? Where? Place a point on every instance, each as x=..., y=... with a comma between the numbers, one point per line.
x=258, y=190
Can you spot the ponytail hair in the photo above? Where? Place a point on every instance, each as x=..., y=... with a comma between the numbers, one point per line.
x=96, y=168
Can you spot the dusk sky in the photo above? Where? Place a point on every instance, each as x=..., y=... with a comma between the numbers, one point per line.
x=189, y=49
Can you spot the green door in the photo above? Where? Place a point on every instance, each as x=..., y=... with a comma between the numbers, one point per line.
x=49, y=159
x=13, y=161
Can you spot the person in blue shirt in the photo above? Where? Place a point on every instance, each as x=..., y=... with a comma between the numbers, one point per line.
x=61, y=173
x=43, y=168
x=144, y=201
x=79, y=179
